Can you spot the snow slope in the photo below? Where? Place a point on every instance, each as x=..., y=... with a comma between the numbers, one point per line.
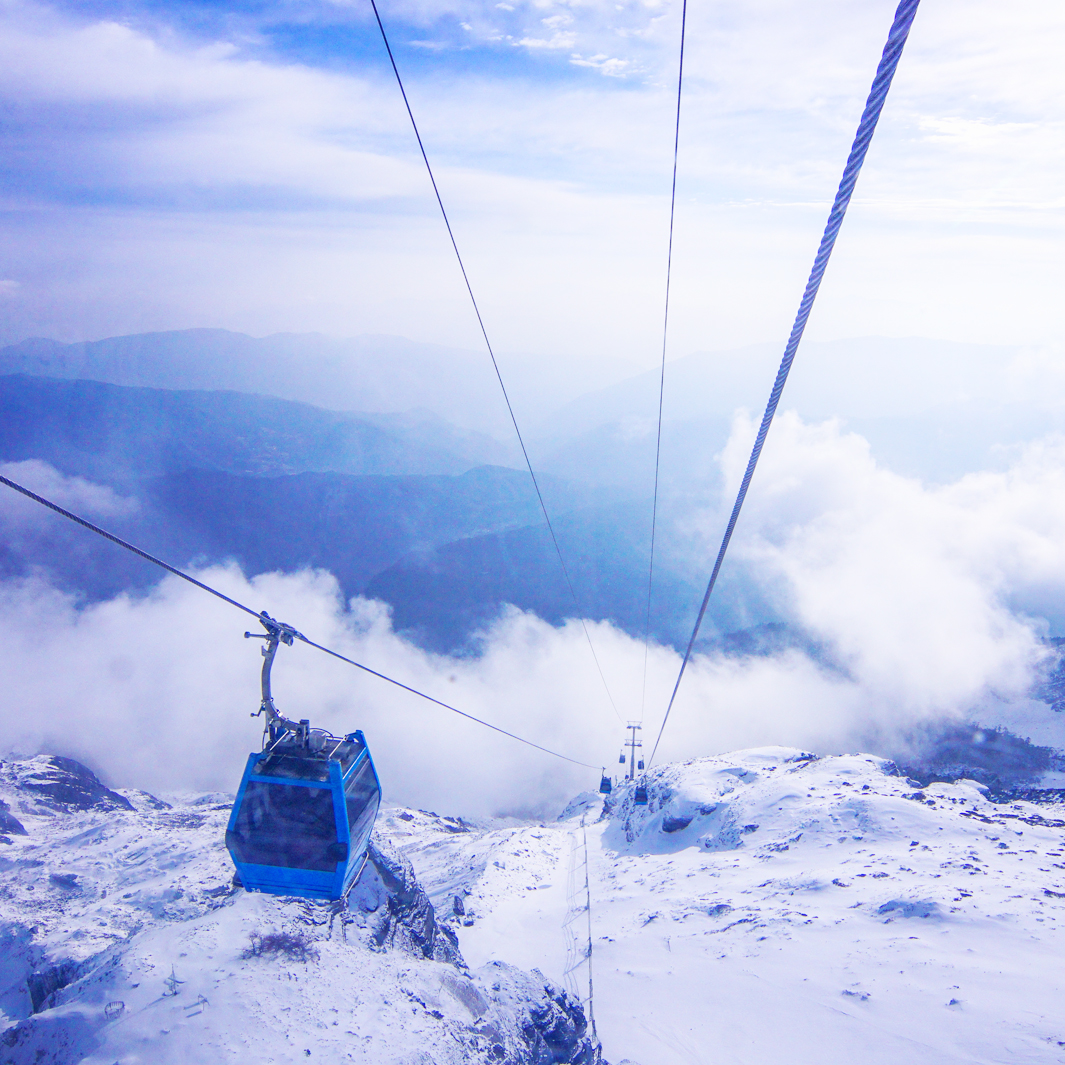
x=123, y=939
x=765, y=907
x=770, y=907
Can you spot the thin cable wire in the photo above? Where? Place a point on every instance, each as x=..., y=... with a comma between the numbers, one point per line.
x=662, y=374
x=446, y=706
x=128, y=546
x=492, y=355
x=900, y=29
x=255, y=614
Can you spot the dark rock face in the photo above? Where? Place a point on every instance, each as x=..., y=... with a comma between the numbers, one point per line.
x=44, y=983
x=675, y=824
x=9, y=823
x=64, y=783
x=557, y=1031
x=993, y=757
x=409, y=921
x=552, y=1027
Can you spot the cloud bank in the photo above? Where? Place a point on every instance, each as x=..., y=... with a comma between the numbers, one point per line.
x=928, y=603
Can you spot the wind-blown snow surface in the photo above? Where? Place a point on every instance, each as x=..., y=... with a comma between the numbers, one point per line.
x=770, y=907
x=765, y=907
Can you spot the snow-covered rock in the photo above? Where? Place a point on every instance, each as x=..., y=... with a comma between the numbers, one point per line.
x=403, y=916
x=60, y=784
x=123, y=938
x=765, y=906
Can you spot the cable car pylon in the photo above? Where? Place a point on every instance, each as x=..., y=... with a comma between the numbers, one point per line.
x=635, y=763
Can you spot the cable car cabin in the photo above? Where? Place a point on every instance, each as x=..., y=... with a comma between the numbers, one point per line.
x=307, y=802
x=303, y=814
x=606, y=785
x=640, y=798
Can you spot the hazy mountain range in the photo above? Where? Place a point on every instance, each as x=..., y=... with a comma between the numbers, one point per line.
x=930, y=408
x=380, y=374
x=112, y=433
x=405, y=508
x=393, y=465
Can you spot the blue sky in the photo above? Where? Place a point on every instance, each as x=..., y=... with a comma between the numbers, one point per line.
x=250, y=166
x=446, y=38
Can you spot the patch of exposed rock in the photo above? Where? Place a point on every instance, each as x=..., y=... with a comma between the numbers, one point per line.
x=61, y=784
x=405, y=918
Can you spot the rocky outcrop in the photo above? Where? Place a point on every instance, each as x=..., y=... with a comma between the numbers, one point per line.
x=45, y=982
x=405, y=918
x=9, y=823
x=550, y=1028
x=62, y=783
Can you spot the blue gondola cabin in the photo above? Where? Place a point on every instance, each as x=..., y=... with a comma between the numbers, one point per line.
x=303, y=815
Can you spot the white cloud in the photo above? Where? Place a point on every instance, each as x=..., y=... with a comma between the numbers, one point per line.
x=165, y=183
x=930, y=601
x=73, y=493
x=157, y=692
x=612, y=67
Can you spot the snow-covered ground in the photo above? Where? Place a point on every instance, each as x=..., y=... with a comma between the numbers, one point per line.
x=765, y=907
x=771, y=907
x=123, y=939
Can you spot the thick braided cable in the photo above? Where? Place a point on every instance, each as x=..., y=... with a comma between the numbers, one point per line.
x=900, y=30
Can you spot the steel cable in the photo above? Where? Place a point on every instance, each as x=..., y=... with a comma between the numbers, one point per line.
x=900, y=29
x=662, y=372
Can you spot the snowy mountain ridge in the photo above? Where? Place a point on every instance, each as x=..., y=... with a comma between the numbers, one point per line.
x=770, y=906
x=766, y=906
x=124, y=938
